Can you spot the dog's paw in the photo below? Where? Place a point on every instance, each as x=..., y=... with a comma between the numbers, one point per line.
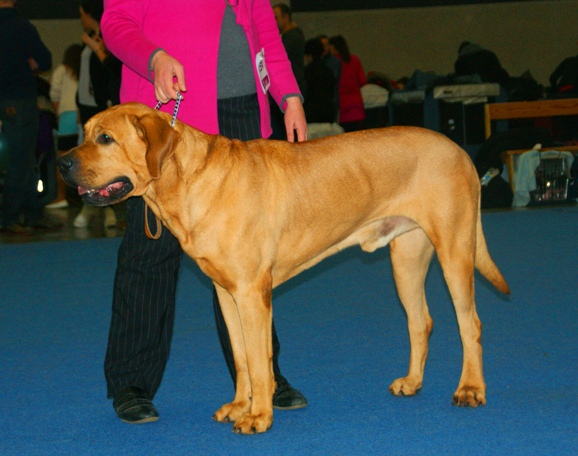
x=469, y=397
x=253, y=424
x=232, y=411
x=405, y=386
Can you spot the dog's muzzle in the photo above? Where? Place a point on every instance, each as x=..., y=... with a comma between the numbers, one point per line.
x=111, y=193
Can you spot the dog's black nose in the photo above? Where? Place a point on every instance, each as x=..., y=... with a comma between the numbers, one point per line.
x=64, y=163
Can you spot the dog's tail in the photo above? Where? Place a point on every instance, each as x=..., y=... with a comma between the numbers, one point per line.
x=484, y=262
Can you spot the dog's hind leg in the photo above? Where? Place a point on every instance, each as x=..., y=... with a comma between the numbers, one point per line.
x=411, y=254
x=241, y=404
x=456, y=256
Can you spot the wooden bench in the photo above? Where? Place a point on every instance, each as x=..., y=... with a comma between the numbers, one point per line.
x=528, y=110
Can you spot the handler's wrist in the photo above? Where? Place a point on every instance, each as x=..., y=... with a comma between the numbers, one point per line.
x=290, y=98
x=152, y=59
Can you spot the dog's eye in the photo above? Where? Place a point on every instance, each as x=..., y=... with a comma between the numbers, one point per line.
x=104, y=139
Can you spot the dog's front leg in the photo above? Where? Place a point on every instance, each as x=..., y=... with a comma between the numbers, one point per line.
x=248, y=316
x=241, y=404
x=256, y=316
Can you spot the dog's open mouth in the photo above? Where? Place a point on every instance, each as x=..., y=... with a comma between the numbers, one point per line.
x=110, y=194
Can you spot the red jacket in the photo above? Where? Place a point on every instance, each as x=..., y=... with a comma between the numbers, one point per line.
x=350, y=100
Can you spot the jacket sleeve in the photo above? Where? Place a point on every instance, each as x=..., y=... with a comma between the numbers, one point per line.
x=114, y=68
x=37, y=49
x=100, y=79
x=283, y=81
x=121, y=26
x=555, y=76
x=56, y=83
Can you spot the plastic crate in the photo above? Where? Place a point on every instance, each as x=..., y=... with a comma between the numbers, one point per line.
x=552, y=177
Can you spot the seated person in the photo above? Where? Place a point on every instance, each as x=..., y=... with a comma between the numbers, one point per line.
x=564, y=79
x=474, y=59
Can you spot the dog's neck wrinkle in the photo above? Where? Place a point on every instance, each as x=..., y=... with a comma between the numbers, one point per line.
x=212, y=140
x=167, y=218
x=217, y=157
x=197, y=156
x=187, y=164
x=187, y=157
x=198, y=149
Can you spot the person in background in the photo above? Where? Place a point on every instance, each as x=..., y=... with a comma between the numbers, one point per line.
x=223, y=57
x=335, y=65
x=351, y=109
x=320, y=83
x=63, y=89
x=474, y=59
x=564, y=84
x=98, y=86
x=293, y=40
x=564, y=78
x=22, y=53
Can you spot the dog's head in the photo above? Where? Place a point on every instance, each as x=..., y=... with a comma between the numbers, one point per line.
x=123, y=151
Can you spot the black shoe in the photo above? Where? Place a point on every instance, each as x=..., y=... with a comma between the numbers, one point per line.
x=286, y=397
x=132, y=405
x=16, y=228
x=45, y=224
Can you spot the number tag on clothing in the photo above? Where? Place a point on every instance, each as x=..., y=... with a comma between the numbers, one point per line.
x=262, y=70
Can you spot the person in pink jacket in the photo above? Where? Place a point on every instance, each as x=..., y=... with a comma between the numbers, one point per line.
x=223, y=56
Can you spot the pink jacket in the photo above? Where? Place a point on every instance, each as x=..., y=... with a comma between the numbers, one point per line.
x=189, y=30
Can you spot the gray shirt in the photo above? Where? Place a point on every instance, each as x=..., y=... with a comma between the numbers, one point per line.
x=235, y=77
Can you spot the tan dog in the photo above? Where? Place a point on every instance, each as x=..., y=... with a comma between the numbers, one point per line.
x=254, y=214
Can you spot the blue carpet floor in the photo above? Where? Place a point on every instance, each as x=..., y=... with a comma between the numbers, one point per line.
x=344, y=340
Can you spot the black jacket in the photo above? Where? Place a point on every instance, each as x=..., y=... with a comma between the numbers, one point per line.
x=565, y=76
x=105, y=82
x=19, y=41
x=474, y=59
x=319, y=103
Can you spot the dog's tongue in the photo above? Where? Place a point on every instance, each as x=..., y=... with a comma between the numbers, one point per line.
x=103, y=191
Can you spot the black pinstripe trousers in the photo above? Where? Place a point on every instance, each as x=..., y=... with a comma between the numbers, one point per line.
x=144, y=292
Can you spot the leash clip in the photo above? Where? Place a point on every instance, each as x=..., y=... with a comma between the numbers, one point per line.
x=176, y=110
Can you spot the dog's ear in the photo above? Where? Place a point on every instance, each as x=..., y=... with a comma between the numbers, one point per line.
x=160, y=138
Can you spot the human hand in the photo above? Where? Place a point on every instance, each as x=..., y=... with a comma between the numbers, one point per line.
x=32, y=64
x=89, y=40
x=295, y=120
x=169, y=77
x=95, y=42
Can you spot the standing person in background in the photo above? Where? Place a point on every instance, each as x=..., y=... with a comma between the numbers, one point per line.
x=230, y=54
x=335, y=65
x=22, y=52
x=63, y=89
x=351, y=109
x=98, y=85
x=319, y=105
x=293, y=40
